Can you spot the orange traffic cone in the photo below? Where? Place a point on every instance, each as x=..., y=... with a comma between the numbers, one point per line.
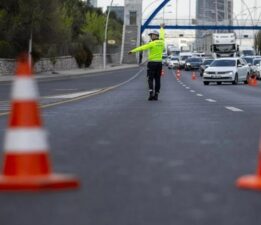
x=162, y=73
x=252, y=181
x=193, y=76
x=26, y=159
x=252, y=81
x=178, y=74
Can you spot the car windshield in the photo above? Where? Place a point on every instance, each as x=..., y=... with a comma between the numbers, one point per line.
x=224, y=48
x=249, y=60
x=184, y=57
x=257, y=61
x=164, y=56
x=197, y=60
x=208, y=62
x=248, y=52
x=224, y=63
x=175, y=58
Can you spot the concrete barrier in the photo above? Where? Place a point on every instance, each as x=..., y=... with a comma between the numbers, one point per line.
x=7, y=66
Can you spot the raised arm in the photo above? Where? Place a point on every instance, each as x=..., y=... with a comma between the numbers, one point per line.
x=162, y=32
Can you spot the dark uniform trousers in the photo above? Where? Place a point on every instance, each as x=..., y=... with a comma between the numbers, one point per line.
x=154, y=74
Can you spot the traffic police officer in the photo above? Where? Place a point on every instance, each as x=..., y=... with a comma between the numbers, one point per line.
x=155, y=47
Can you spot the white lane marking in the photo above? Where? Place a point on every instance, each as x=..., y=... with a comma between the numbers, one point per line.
x=192, y=91
x=187, y=87
x=210, y=100
x=199, y=95
x=74, y=95
x=234, y=109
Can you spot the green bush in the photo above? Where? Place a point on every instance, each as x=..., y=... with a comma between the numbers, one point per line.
x=82, y=54
x=6, y=50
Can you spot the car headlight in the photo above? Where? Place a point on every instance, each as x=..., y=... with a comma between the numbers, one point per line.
x=188, y=64
x=231, y=73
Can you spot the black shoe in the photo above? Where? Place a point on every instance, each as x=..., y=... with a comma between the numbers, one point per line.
x=156, y=96
x=151, y=96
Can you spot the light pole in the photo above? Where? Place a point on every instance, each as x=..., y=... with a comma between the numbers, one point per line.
x=189, y=12
x=176, y=12
x=242, y=13
x=30, y=49
x=106, y=36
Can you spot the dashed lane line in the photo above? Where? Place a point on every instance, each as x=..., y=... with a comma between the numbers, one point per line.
x=210, y=100
x=231, y=108
x=234, y=109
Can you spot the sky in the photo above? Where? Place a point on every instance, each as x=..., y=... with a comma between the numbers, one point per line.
x=182, y=4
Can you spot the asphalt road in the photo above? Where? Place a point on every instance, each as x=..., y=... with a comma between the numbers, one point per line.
x=171, y=162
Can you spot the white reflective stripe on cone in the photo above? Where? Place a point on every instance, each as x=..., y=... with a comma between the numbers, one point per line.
x=24, y=88
x=26, y=140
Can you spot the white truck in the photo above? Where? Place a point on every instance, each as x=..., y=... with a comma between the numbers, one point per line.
x=247, y=51
x=224, y=45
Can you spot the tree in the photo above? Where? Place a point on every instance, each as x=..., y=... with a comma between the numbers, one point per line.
x=94, y=25
x=58, y=27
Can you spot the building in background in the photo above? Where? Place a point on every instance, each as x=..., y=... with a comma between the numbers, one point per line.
x=131, y=30
x=118, y=10
x=94, y=3
x=212, y=12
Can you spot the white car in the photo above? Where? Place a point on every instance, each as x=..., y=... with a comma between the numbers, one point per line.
x=233, y=70
x=257, y=67
x=173, y=62
x=164, y=59
x=250, y=61
x=167, y=60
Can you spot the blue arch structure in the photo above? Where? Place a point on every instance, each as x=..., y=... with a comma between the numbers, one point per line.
x=152, y=16
x=191, y=27
x=206, y=27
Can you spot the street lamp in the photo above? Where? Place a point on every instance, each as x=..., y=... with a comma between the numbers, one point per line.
x=106, y=36
x=30, y=49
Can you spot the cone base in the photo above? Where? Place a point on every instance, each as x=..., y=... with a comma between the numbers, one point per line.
x=39, y=183
x=252, y=182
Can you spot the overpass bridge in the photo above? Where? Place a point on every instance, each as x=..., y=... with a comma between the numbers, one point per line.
x=133, y=32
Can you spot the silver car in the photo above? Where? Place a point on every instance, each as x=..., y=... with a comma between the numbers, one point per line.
x=257, y=67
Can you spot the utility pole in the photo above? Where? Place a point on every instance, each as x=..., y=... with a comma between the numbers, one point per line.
x=176, y=12
x=106, y=36
x=189, y=12
x=216, y=9
x=30, y=49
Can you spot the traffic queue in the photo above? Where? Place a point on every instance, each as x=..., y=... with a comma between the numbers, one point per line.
x=233, y=70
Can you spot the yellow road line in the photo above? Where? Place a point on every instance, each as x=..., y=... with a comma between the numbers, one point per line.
x=85, y=96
